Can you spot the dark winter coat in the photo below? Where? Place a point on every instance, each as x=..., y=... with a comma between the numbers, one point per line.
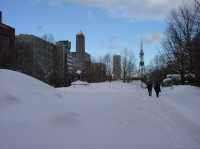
x=149, y=86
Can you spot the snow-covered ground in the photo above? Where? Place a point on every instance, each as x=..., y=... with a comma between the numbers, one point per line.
x=114, y=115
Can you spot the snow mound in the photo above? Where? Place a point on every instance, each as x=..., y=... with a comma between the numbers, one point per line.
x=16, y=87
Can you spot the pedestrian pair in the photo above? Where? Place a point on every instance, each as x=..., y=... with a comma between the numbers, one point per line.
x=156, y=87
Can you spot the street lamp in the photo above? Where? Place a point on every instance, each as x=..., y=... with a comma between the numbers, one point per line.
x=79, y=73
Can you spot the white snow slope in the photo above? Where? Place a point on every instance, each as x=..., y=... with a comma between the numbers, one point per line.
x=34, y=115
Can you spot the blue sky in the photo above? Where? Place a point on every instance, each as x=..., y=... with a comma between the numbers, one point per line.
x=109, y=26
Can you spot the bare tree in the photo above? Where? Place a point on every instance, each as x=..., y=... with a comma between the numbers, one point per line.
x=183, y=25
x=128, y=65
x=124, y=65
x=48, y=37
x=131, y=66
x=108, y=62
x=158, y=68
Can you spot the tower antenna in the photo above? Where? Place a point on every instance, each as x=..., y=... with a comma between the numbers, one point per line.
x=141, y=66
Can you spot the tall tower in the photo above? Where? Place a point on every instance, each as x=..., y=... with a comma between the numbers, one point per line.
x=141, y=67
x=80, y=42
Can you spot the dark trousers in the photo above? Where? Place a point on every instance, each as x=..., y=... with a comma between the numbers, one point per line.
x=157, y=92
x=150, y=91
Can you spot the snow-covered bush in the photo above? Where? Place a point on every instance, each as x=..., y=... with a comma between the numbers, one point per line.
x=167, y=82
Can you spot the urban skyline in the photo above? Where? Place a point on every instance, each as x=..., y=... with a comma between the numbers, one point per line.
x=105, y=33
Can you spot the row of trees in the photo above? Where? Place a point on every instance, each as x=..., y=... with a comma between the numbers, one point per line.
x=181, y=48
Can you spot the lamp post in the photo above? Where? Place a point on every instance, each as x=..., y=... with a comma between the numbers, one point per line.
x=79, y=73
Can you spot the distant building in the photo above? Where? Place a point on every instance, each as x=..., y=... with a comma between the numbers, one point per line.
x=7, y=46
x=81, y=59
x=141, y=65
x=40, y=59
x=80, y=42
x=66, y=44
x=117, y=67
x=69, y=66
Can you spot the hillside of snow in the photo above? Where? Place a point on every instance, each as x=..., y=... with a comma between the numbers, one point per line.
x=106, y=115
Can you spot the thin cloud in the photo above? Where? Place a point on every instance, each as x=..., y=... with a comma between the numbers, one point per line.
x=90, y=15
x=131, y=9
x=153, y=38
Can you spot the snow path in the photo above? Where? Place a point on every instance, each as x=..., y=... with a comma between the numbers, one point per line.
x=34, y=115
x=139, y=120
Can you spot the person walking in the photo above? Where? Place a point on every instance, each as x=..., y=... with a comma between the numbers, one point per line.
x=157, y=88
x=149, y=87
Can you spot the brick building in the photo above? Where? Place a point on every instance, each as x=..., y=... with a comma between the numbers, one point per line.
x=40, y=59
x=7, y=46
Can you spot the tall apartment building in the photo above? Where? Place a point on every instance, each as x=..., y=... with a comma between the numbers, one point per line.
x=7, y=46
x=80, y=42
x=117, y=67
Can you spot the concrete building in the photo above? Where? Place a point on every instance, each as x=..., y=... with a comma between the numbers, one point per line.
x=66, y=44
x=81, y=59
x=40, y=59
x=69, y=66
x=117, y=67
x=7, y=46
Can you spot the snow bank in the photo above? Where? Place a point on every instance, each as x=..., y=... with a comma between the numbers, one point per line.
x=106, y=115
x=27, y=107
x=17, y=87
